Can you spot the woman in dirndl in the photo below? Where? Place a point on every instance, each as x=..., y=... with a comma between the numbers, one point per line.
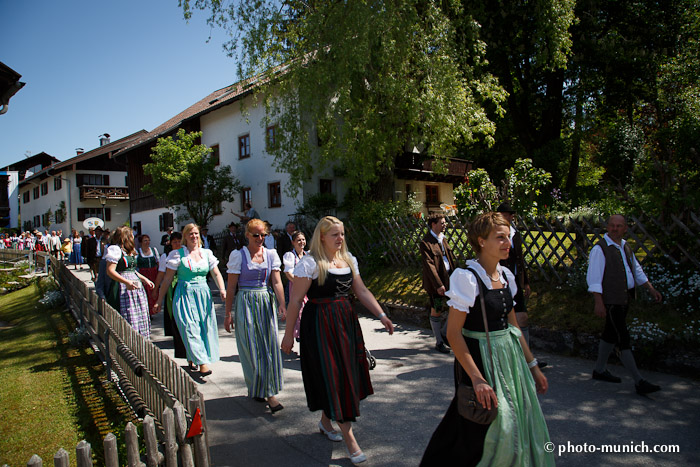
x=147, y=265
x=519, y=433
x=290, y=260
x=255, y=310
x=193, y=307
x=127, y=294
x=331, y=337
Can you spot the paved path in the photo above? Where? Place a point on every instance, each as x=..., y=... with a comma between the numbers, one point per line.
x=413, y=387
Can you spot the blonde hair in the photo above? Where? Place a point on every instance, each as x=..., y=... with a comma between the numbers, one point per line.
x=256, y=223
x=186, y=231
x=482, y=226
x=124, y=237
x=319, y=253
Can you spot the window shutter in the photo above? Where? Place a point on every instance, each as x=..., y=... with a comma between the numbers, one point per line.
x=105, y=180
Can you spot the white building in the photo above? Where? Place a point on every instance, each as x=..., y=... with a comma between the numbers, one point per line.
x=91, y=184
x=231, y=122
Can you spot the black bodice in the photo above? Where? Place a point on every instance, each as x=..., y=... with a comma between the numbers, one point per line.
x=335, y=286
x=498, y=303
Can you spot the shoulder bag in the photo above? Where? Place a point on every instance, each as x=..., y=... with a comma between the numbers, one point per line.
x=467, y=404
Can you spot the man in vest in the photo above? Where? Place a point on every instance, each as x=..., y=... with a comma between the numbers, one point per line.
x=438, y=263
x=613, y=274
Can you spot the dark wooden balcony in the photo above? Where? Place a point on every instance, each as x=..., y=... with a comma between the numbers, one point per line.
x=108, y=192
x=414, y=166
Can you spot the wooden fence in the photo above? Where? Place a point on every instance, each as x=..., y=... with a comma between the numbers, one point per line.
x=175, y=442
x=151, y=381
x=554, y=248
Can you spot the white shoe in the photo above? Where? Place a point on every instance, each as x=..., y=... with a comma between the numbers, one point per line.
x=357, y=457
x=332, y=434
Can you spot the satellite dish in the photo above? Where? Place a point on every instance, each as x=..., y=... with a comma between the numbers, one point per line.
x=93, y=222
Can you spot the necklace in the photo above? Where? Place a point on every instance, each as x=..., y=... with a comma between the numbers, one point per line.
x=498, y=274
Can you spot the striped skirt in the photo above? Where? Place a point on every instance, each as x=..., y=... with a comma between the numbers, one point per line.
x=255, y=323
x=131, y=304
x=333, y=360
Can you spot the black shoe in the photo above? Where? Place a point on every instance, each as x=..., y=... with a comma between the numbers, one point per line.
x=606, y=376
x=276, y=408
x=542, y=364
x=259, y=399
x=441, y=348
x=645, y=387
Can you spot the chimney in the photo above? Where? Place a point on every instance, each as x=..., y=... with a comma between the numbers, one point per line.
x=104, y=139
x=79, y=151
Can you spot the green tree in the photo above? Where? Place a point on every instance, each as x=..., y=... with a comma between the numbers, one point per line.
x=183, y=174
x=528, y=48
x=351, y=84
x=477, y=195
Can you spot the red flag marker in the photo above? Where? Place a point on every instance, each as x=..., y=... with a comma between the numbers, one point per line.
x=196, y=425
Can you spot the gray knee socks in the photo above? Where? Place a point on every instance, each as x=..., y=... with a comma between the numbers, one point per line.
x=628, y=360
x=604, y=349
x=436, y=325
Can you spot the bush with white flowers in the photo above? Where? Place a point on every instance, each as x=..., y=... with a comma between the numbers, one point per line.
x=679, y=285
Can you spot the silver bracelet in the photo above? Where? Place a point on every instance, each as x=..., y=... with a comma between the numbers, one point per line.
x=532, y=364
x=381, y=315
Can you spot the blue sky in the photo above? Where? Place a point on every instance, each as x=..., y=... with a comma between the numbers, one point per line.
x=102, y=66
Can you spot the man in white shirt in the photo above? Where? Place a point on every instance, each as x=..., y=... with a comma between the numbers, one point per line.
x=613, y=274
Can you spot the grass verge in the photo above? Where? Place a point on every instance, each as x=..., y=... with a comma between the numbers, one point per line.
x=53, y=393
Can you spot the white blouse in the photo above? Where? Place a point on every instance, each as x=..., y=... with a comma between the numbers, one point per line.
x=114, y=254
x=154, y=252
x=173, y=261
x=162, y=262
x=307, y=268
x=235, y=260
x=288, y=261
x=464, y=287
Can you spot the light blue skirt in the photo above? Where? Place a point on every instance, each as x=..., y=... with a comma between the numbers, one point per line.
x=193, y=310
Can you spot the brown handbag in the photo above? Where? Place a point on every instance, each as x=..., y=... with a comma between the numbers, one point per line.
x=468, y=406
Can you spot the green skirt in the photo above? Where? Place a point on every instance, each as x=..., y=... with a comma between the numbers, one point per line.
x=519, y=433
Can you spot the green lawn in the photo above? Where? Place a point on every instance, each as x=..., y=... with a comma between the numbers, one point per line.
x=53, y=394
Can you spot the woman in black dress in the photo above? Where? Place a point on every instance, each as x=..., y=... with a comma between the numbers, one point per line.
x=519, y=433
x=333, y=361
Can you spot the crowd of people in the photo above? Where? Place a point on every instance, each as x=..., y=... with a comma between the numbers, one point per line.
x=477, y=313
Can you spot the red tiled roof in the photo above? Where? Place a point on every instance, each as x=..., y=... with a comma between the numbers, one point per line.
x=109, y=147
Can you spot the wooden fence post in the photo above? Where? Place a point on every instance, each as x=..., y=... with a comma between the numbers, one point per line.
x=111, y=451
x=181, y=431
x=170, y=437
x=83, y=454
x=153, y=456
x=60, y=459
x=132, y=446
x=201, y=451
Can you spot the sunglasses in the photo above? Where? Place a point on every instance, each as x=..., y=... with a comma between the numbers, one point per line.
x=259, y=235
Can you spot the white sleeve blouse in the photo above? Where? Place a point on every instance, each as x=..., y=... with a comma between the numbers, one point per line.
x=464, y=287
x=288, y=261
x=114, y=254
x=306, y=267
x=173, y=261
x=235, y=259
